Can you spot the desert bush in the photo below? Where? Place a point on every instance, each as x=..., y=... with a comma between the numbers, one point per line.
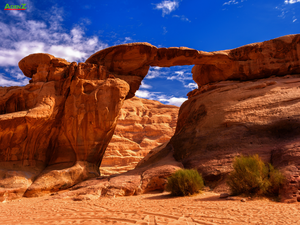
x=184, y=182
x=276, y=180
x=252, y=176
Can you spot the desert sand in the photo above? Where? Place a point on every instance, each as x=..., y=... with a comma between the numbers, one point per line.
x=155, y=208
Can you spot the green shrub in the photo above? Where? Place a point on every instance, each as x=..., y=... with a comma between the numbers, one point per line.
x=276, y=180
x=184, y=182
x=251, y=176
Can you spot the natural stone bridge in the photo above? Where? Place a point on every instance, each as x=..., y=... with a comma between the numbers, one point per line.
x=54, y=131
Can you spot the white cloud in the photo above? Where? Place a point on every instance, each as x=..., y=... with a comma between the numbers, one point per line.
x=288, y=10
x=175, y=73
x=125, y=41
x=167, y=6
x=183, y=18
x=172, y=100
x=191, y=85
x=291, y=1
x=179, y=76
x=23, y=37
x=20, y=36
x=154, y=72
x=183, y=76
x=144, y=94
x=232, y=2
x=16, y=73
x=5, y=81
x=145, y=86
x=156, y=68
x=283, y=13
x=128, y=39
x=165, y=30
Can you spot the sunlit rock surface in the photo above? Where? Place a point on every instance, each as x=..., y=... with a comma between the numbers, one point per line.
x=142, y=125
x=54, y=131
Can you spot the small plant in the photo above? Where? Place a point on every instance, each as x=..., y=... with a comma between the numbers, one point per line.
x=252, y=176
x=276, y=180
x=184, y=182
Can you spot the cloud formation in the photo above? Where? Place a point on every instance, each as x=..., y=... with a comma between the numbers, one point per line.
x=172, y=100
x=5, y=81
x=183, y=76
x=183, y=18
x=124, y=41
x=155, y=72
x=145, y=86
x=21, y=37
x=291, y=1
x=167, y=6
x=145, y=94
x=158, y=96
x=232, y=2
x=289, y=10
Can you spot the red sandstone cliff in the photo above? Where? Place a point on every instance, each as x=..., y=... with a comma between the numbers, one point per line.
x=142, y=125
x=247, y=103
x=54, y=131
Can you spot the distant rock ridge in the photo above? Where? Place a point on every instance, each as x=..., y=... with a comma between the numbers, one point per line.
x=142, y=125
x=55, y=130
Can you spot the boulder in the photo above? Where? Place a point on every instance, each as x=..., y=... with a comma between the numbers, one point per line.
x=29, y=65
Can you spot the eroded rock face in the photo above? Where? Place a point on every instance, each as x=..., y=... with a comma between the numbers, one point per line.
x=150, y=174
x=142, y=125
x=54, y=131
x=277, y=57
x=231, y=118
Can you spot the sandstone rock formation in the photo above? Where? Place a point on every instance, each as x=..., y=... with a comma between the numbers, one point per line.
x=142, y=125
x=218, y=123
x=131, y=62
x=225, y=119
x=276, y=57
x=233, y=118
x=54, y=131
x=151, y=174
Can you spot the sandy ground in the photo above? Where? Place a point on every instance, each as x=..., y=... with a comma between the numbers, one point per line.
x=148, y=209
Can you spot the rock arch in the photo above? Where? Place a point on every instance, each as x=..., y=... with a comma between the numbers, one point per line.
x=58, y=139
x=131, y=62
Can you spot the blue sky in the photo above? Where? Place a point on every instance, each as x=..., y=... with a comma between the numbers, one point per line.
x=76, y=29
